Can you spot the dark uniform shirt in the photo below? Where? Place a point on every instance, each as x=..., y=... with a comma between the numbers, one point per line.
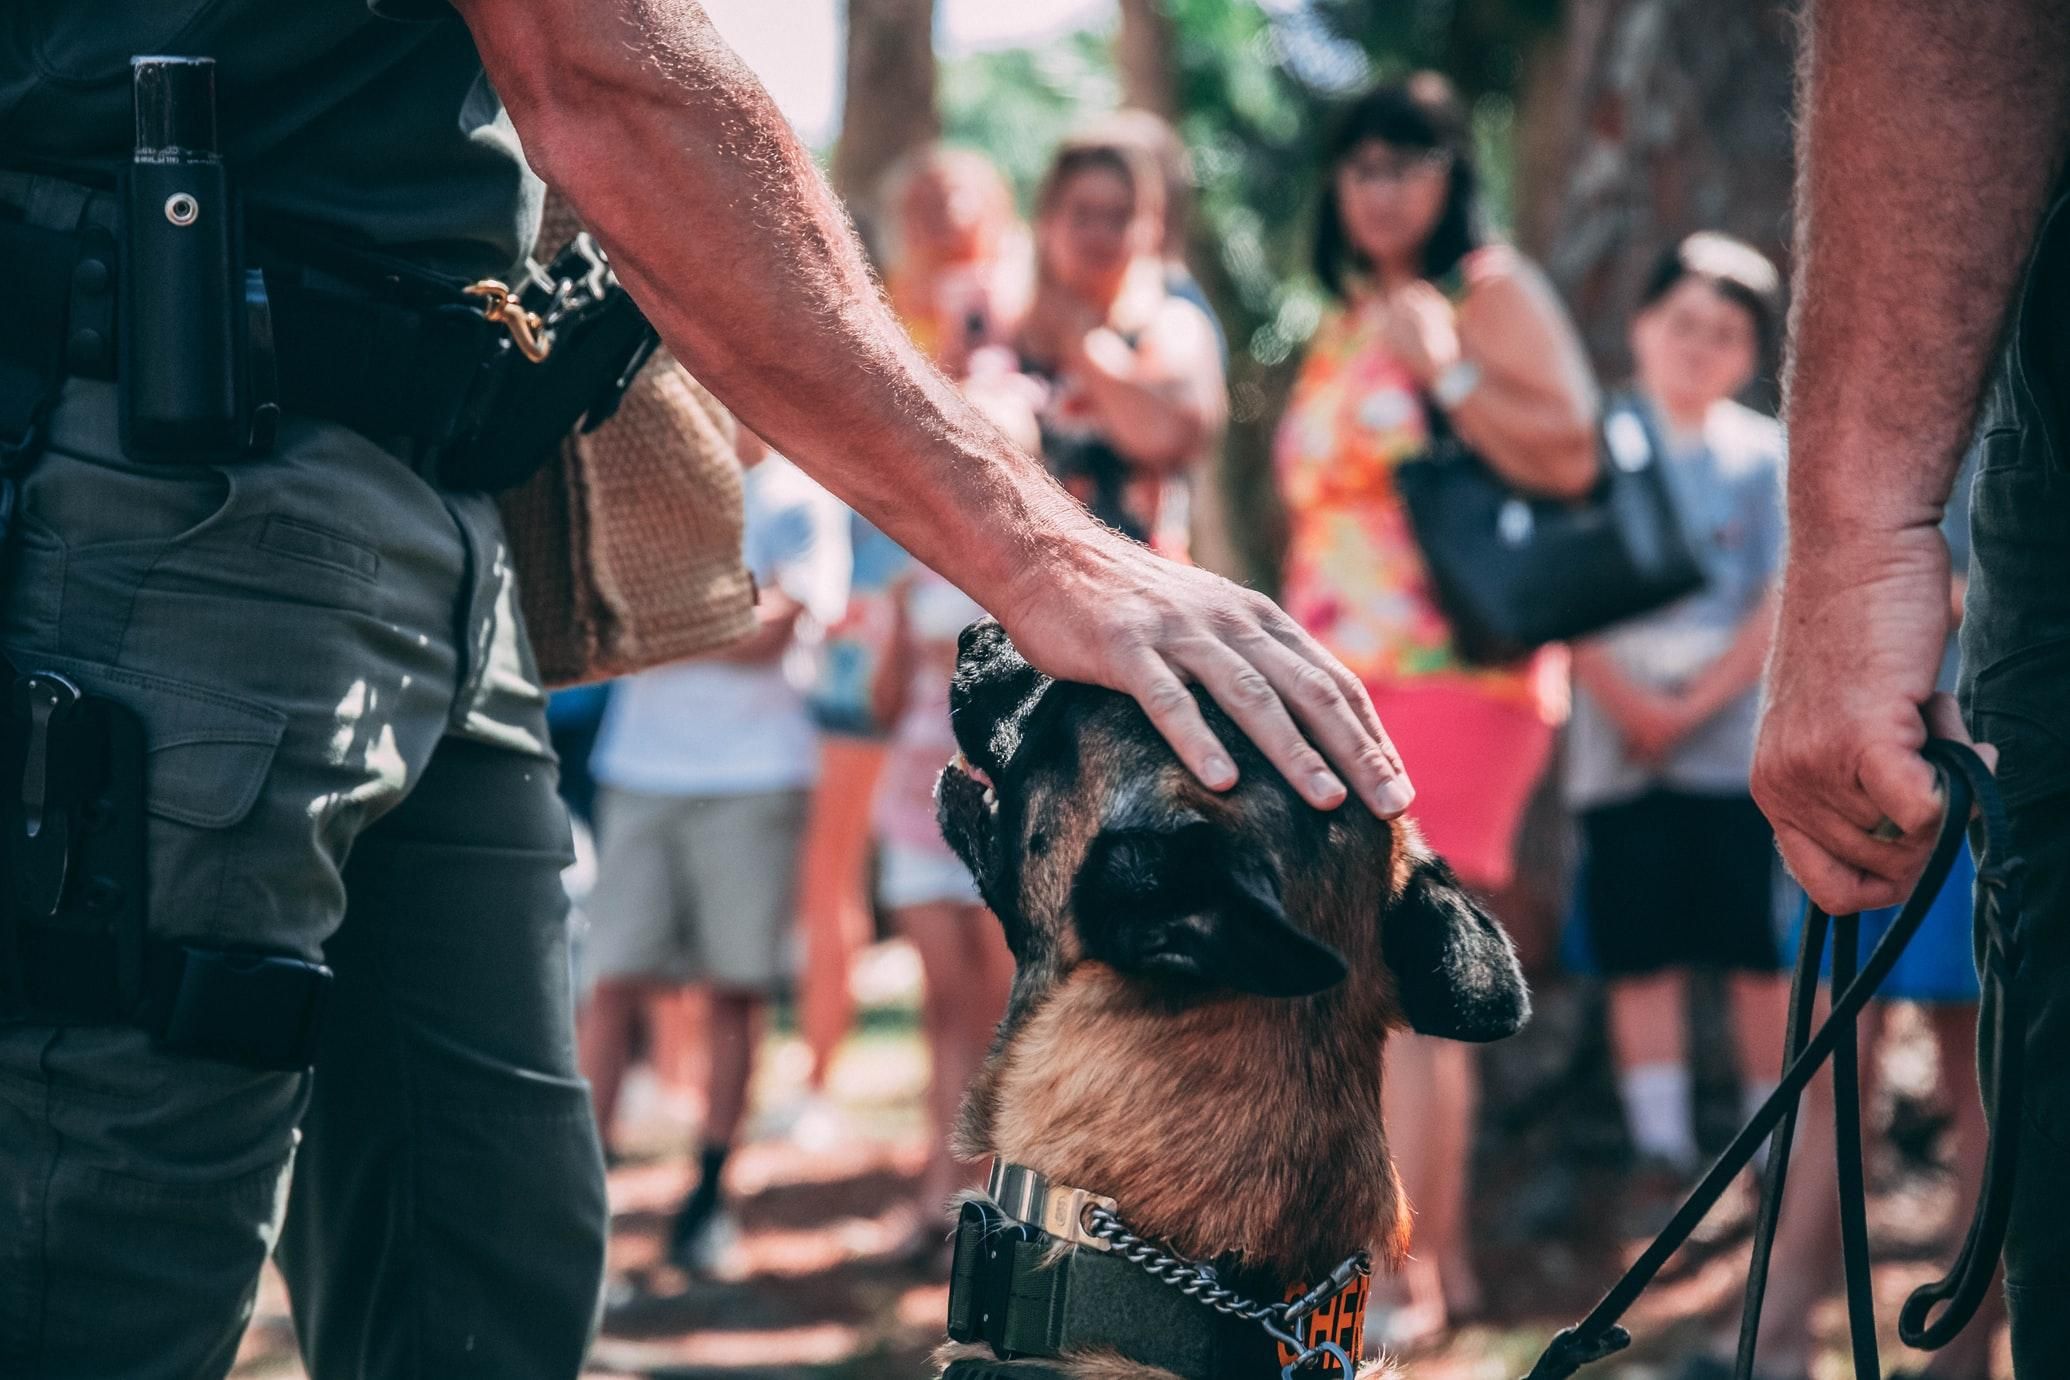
x=382, y=129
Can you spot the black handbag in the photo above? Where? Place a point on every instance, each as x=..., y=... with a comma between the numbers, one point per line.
x=1512, y=571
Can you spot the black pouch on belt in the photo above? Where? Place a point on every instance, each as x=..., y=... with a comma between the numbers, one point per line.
x=592, y=341
x=71, y=811
x=75, y=948
x=191, y=384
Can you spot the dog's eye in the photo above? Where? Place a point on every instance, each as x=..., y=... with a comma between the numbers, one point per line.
x=1038, y=844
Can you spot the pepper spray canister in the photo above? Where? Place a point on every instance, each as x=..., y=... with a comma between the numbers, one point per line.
x=182, y=291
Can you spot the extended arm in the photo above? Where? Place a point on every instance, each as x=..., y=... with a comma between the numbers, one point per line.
x=724, y=231
x=1533, y=415
x=1930, y=136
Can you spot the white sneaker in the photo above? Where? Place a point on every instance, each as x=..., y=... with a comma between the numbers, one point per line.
x=820, y=1125
x=710, y=1248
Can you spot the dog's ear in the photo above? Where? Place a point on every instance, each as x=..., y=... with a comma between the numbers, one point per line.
x=992, y=695
x=1455, y=972
x=1181, y=903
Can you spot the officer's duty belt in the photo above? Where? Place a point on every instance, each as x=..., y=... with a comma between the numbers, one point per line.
x=445, y=375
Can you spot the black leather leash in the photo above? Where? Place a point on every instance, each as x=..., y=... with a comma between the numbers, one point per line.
x=1968, y=786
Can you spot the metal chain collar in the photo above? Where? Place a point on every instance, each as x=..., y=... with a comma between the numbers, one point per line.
x=1199, y=1282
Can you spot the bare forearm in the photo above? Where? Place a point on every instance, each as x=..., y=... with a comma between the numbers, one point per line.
x=1146, y=422
x=1931, y=134
x=1597, y=673
x=725, y=233
x=770, y=639
x=1541, y=441
x=1738, y=670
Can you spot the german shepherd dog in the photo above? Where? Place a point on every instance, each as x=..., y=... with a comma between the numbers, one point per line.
x=1204, y=982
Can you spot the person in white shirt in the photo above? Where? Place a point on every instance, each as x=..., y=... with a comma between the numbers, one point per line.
x=704, y=768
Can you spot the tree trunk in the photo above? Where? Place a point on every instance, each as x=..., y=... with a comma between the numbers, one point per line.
x=888, y=99
x=1640, y=122
x=1143, y=51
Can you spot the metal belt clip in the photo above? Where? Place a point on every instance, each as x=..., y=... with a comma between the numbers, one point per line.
x=527, y=331
x=1056, y=1208
x=47, y=700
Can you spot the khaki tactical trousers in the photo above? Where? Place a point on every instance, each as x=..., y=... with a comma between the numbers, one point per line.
x=347, y=761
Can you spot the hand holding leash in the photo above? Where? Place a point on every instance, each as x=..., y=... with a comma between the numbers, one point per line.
x=1964, y=781
x=1850, y=704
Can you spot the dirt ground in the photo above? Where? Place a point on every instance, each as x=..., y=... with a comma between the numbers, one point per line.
x=814, y=1293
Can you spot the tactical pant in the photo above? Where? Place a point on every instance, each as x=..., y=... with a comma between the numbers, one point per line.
x=2016, y=694
x=347, y=761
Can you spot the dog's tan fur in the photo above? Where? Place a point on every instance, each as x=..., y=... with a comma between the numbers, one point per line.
x=1157, y=1106
x=1240, y=1129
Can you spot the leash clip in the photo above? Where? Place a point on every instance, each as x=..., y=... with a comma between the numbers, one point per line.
x=1315, y=1356
x=46, y=701
x=500, y=305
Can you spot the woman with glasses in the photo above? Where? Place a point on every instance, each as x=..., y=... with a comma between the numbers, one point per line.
x=1435, y=324
x=1129, y=374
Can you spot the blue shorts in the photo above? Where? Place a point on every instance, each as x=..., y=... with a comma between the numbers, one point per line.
x=1939, y=965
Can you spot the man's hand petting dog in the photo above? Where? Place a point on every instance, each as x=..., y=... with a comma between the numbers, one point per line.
x=1109, y=612
x=1204, y=984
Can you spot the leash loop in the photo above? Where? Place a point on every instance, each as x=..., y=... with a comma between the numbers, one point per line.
x=1967, y=785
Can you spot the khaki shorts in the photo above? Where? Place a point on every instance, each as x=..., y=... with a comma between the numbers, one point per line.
x=695, y=888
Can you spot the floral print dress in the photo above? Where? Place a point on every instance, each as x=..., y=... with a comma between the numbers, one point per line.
x=1354, y=575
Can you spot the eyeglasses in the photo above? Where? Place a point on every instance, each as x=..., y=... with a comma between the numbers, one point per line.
x=1382, y=170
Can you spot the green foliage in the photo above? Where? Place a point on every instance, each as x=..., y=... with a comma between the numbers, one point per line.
x=1257, y=86
x=1257, y=81
x=1016, y=103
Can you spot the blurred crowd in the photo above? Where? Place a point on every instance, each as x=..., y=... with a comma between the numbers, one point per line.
x=763, y=815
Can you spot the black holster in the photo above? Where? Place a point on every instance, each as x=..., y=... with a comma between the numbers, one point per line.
x=75, y=943
x=214, y=324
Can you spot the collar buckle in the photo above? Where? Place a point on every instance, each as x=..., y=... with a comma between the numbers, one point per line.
x=1057, y=1209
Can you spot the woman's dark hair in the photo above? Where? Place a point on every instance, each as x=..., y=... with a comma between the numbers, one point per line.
x=1733, y=269
x=1422, y=113
x=1102, y=147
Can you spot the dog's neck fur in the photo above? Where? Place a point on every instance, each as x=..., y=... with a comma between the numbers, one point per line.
x=1240, y=1129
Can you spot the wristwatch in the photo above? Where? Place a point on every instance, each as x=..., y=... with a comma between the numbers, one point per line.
x=1455, y=383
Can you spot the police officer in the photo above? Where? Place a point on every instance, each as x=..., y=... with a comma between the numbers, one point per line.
x=346, y=745
x=1933, y=260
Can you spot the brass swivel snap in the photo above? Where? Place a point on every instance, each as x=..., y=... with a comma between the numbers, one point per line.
x=500, y=304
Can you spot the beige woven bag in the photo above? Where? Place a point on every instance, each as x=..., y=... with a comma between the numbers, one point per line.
x=627, y=548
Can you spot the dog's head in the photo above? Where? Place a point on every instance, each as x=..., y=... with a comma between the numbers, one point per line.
x=1092, y=843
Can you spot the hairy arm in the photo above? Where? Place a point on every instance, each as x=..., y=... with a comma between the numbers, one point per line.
x=725, y=233
x=1930, y=136
x=721, y=227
